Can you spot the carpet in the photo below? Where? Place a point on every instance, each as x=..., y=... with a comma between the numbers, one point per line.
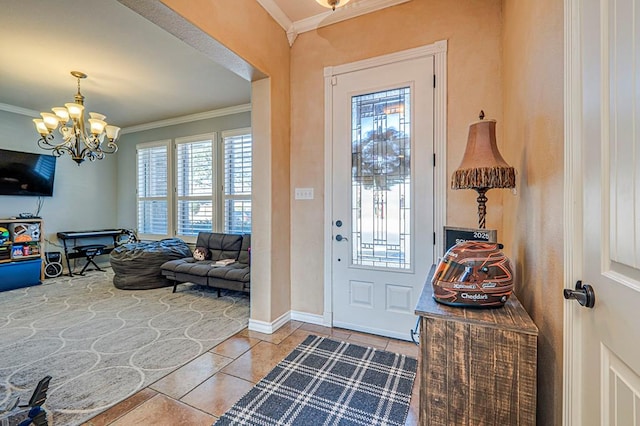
x=327, y=382
x=101, y=344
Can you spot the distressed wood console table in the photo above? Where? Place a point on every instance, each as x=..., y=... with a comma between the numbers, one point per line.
x=477, y=366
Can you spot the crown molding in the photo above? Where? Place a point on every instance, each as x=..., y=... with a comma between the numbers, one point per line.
x=291, y=35
x=18, y=110
x=154, y=124
x=280, y=17
x=350, y=10
x=188, y=118
x=274, y=10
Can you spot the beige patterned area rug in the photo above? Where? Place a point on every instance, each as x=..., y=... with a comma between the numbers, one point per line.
x=101, y=344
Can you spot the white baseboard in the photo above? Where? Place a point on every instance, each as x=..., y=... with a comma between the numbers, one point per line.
x=269, y=327
x=308, y=318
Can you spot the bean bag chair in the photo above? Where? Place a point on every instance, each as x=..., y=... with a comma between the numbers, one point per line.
x=137, y=265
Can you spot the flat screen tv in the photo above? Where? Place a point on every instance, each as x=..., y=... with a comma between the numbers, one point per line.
x=26, y=173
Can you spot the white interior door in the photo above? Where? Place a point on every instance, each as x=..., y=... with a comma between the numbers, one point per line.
x=382, y=195
x=605, y=369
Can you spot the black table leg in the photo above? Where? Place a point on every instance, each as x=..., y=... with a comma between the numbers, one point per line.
x=66, y=256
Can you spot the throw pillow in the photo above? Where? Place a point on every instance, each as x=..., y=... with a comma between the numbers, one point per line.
x=201, y=253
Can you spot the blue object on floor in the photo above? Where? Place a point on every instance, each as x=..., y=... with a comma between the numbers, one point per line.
x=20, y=274
x=31, y=414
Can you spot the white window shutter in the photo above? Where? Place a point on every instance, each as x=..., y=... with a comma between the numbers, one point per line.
x=153, y=213
x=237, y=184
x=195, y=177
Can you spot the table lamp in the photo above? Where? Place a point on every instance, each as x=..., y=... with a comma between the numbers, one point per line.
x=482, y=167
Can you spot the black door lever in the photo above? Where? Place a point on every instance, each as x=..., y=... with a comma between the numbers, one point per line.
x=584, y=294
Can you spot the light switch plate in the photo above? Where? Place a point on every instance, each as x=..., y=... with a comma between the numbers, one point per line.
x=304, y=193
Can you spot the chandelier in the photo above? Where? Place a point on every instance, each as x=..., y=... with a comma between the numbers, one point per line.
x=70, y=122
x=332, y=3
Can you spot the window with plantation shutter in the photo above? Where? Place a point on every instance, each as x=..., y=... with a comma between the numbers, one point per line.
x=237, y=181
x=152, y=188
x=195, y=179
x=194, y=184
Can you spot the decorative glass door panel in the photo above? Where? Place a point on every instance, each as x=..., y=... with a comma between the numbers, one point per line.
x=381, y=179
x=382, y=195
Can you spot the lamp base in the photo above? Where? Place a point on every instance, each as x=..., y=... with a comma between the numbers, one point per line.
x=482, y=206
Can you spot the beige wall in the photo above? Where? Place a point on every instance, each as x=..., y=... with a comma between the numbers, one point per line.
x=502, y=55
x=533, y=142
x=248, y=30
x=473, y=31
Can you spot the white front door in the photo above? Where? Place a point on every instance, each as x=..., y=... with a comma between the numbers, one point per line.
x=382, y=195
x=604, y=127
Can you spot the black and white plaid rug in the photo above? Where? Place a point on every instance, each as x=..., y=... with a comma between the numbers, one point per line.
x=327, y=382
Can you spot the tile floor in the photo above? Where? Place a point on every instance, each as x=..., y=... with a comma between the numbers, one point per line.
x=202, y=390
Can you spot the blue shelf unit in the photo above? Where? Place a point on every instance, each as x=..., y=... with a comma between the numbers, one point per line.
x=23, y=273
x=21, y=257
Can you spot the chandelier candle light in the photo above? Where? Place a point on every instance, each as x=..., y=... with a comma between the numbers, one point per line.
x=70, y=122
x=332, y=3
x=482, y=167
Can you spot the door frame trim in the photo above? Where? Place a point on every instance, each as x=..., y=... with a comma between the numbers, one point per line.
x=573, y=210
x=438, y=51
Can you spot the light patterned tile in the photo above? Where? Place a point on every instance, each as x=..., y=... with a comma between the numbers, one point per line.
x=278, y=336
x=254, y=364
x=121, y=408
x=235, y=346
x=369, y=340
x=413, y=415
x=334, y=333
x=217, y=394
x=293, y=340
x=339, y=334
x=164, y=411
x=404, y=348
x=190, y=375
x=317, y=329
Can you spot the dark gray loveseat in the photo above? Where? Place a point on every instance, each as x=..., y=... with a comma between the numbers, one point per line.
x=236, y=276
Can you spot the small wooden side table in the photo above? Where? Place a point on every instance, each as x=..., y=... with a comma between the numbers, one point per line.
x=477, y=366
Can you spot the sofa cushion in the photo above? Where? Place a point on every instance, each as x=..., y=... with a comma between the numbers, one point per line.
x=234, y=272
x=188, y=265
x=245, y=250
x=171, y=265
x=187, y=270
x=221, y=246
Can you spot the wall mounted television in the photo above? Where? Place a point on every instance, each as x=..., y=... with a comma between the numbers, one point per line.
x=26, y=173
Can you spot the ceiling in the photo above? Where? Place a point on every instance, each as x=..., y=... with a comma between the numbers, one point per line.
x=297, y=10
x=137, y=72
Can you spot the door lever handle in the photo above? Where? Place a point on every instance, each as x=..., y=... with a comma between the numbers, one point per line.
x=584, y=294
x=340, y=238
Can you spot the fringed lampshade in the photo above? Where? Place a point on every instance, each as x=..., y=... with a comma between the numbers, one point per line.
x=482, y=167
